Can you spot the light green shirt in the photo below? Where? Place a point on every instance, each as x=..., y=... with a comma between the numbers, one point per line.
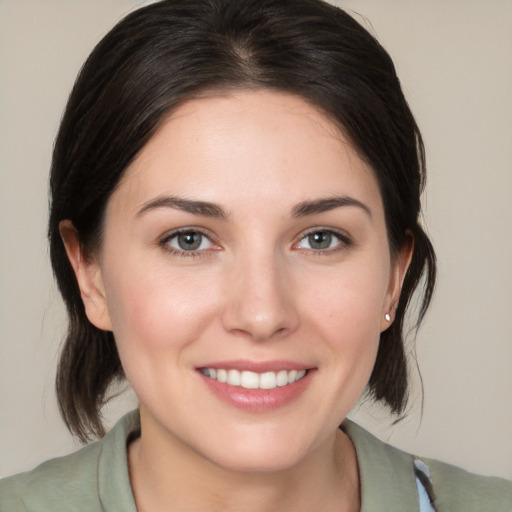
x=96, y=479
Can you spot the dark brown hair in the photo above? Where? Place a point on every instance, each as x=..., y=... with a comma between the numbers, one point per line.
x=173, y=50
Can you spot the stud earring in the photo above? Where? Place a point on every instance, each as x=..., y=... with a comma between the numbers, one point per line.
x=387, y=317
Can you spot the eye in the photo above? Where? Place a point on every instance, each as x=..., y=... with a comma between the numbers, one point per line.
x=187, y=241
x=323, y=240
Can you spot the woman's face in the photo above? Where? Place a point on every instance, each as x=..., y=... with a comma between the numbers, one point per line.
x=246, y=242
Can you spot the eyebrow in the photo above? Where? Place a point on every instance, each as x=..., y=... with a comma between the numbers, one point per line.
x=203, y=208
x=324, y=205
x=213, y=210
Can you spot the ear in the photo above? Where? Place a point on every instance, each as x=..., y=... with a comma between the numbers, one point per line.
x=88, y=276
x=400, y=264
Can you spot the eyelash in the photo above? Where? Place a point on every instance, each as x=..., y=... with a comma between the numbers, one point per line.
x=344, y=242
x=164, y=243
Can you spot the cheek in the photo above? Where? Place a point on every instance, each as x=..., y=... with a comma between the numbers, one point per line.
x=346, y=312
x=350, y=300
x=157, y=310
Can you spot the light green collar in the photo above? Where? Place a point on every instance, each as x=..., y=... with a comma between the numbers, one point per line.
x=386, y=473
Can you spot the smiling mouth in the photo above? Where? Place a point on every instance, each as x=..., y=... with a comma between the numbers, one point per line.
x=253, y=380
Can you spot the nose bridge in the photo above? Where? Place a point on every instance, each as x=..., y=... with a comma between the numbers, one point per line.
x=260, y=303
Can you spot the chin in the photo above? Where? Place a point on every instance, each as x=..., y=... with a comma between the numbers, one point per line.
x=250, y=462
x=262, y=452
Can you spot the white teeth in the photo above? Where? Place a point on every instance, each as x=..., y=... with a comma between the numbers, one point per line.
x=253, y=380
x=249, y=380
x=268, y=380
x=282, y=378
x=293, y=375
x=234, y=378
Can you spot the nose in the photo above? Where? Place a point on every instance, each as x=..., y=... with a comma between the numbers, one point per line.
x=260, y=303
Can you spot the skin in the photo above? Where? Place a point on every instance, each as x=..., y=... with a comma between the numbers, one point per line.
x=255, y=290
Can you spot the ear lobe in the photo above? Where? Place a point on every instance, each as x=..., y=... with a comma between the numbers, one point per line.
x=88, y=275
x=399, y=269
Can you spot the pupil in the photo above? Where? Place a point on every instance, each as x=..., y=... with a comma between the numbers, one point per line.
x=189, y=241
x=320, y=240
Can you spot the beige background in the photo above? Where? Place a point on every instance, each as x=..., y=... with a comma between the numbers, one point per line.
x=454, y=58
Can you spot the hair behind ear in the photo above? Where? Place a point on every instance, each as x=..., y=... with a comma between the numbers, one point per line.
x=389, y=379
x=88, y=360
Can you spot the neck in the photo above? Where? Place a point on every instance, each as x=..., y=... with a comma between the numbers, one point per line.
x=173, y=477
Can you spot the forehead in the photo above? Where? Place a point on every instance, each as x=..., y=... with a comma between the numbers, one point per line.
x=257, y=145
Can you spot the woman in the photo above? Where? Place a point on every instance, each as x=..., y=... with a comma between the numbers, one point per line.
x=234, y=229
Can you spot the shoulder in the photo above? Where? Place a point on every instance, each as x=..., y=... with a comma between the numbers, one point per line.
x=458, y=490
x=387, y=471
x=77, y=481
x=68, y=480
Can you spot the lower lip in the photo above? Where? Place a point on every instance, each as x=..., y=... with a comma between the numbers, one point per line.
x=258, y=400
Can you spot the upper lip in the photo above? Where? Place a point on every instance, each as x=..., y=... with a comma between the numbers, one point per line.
x=257, y=366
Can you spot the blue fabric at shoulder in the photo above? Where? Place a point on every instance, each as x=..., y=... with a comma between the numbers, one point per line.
x=424, y=498
x=425, y=505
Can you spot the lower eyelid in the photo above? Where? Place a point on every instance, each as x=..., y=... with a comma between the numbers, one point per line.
x=175, y=251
